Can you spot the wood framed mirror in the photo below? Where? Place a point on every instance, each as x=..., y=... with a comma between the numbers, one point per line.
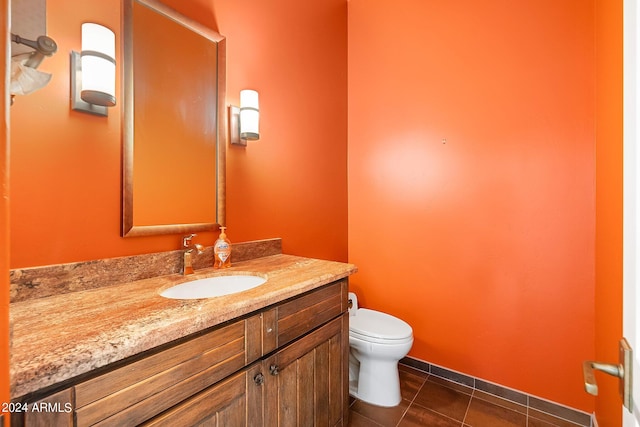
x=174, y=122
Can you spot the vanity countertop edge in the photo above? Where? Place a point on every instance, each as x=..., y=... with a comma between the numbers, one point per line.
x=57, y=338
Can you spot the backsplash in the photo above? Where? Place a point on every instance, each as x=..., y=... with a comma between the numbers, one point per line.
x=39, y=282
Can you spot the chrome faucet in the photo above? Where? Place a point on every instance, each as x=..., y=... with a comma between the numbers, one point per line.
x=187, y=267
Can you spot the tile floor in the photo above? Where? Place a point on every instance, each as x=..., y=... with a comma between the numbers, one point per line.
x=428, y=400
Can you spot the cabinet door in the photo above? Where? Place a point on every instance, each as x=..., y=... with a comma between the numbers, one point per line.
x=306, y=382
x=234, y=402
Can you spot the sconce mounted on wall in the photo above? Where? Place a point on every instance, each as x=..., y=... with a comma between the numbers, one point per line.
x=244, y=121
x=93, y=71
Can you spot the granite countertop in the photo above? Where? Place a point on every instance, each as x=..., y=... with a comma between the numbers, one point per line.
x=62, y=336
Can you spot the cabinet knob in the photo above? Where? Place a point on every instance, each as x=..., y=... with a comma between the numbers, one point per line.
x=259, y=378
x=273, y=369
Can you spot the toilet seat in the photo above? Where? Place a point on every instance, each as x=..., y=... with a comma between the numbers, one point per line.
x=375, y=326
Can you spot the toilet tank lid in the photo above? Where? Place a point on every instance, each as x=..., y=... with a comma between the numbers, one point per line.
x=379, y=325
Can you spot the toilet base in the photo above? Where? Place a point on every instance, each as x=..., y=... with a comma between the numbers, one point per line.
x=374, y=381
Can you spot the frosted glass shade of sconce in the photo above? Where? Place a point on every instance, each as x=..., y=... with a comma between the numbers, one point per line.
x=249, y=115
x=98, y=65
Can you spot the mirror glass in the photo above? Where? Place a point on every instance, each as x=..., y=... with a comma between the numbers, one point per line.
x=174, y=132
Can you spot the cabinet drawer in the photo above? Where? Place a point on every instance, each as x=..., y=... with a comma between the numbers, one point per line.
x=303, y=314
x=138, y=391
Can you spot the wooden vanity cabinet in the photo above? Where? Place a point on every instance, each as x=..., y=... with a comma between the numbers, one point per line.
x=286, y=365
x=304, y=382
x=293, y=387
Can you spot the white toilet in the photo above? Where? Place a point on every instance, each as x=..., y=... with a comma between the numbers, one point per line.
x=377, y=342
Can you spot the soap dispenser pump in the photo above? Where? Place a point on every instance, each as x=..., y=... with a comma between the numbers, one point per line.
x=222, y=250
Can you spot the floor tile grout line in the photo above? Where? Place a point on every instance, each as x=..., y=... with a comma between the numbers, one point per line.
x=450, y=388
x=501, y=405
x=448, y=380
x=439, y=413
x=526, y=405
x=363, y=416
x=528, y=397
x=474, y=393
x=424, y=381
x=464, y=418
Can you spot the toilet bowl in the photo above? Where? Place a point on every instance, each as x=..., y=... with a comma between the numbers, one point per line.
x=377, y=341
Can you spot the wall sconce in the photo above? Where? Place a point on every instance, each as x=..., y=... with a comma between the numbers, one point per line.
x=244, y=121
x=93, y=71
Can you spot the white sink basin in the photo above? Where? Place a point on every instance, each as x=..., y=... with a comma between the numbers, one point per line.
x=213, y=287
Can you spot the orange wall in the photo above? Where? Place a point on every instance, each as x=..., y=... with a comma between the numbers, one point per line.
x=4, y=213
x=471, y=183
x=65, y=174
x=608, y=291
x=293, y=181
